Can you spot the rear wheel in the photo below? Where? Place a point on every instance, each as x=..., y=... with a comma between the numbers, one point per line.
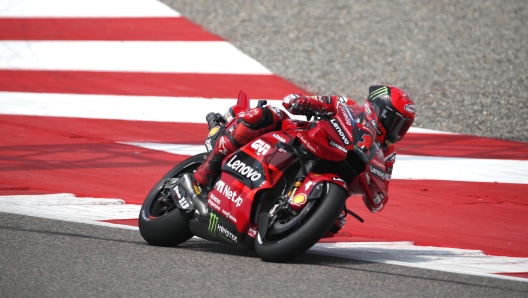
x=291, y=236
x=161, y=223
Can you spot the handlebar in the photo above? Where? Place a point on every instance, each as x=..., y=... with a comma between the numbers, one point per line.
x=320, y=115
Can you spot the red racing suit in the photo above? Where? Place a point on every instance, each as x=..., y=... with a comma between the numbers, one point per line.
x=260, y=120
x=375, y=198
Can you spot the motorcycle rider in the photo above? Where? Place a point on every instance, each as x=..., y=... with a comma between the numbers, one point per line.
x=388, y=114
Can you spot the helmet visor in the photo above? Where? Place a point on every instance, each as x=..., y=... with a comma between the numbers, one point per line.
x=395, y=124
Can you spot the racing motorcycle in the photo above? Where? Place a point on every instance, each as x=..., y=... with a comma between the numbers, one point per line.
x=280, y=193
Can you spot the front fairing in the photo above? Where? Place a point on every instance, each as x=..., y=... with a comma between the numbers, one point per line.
x=246, y=173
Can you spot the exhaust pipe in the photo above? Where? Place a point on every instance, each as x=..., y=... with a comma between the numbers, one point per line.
x=186, y=182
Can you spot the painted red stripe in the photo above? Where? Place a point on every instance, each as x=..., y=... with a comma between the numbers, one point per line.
x=155, y=84
x=151, y=29
x=452, y=145
x=36, y=160
x=192, y=133
x=515, y=274
x=491, y=217
x=129, y=222
x=107, y=130
x=55, y=155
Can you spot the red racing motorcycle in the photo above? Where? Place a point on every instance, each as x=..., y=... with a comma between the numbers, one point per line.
x=280, y=193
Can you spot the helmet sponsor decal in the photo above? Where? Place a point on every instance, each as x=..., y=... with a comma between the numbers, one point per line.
x=287, y=100
x=378, y=92
x=410, y=108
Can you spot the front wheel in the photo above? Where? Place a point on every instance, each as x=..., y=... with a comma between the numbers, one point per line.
x=308, y=231
x=161, y=223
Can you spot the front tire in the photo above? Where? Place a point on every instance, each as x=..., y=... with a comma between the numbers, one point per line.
x=161, y=223
x=310, y=231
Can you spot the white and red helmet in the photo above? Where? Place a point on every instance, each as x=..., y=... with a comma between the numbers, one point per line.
x=395, y=112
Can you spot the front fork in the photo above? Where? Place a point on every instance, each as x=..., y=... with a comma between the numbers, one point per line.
x=291, y=203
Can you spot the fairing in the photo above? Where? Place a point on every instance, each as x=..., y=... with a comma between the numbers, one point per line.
x=251, y=173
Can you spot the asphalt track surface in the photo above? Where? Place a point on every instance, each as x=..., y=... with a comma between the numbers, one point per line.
x=48, y=258
x=463, y=62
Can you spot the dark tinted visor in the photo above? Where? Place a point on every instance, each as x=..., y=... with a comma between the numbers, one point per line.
x=395, y=124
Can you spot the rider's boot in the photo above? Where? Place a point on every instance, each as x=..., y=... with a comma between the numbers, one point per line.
x=211, y=166
x=256, y=122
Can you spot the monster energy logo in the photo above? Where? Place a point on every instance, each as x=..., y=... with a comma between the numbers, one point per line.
x=215, y=227
x=379, y=92
x=213, y=222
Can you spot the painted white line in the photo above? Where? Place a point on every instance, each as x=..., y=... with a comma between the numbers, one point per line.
x=134, y=56
x=85, y=8
x=138, y=108
x=428, y=131
x=69, y=208
x=60, y=199
x=134, y=108
x=180, y=149
x=415, y=167
x=473, y=262
x=460, y=169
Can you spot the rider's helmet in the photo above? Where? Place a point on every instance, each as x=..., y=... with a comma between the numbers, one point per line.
x=394, y=110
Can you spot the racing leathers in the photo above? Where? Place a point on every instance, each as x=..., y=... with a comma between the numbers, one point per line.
x=260, y=120
x=254, y=123
x=375, y=196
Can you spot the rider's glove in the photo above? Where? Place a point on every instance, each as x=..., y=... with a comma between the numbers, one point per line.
x=299, y=104
x=214, y=119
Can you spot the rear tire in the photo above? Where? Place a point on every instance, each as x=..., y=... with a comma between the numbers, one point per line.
x=313, y=229
x=169, y=226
